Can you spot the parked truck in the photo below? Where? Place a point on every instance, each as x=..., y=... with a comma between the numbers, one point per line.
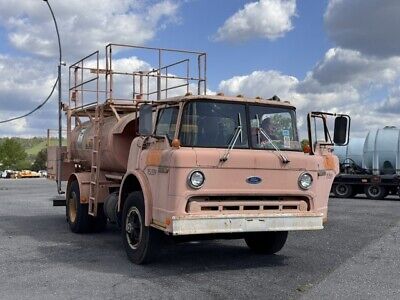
x=191, y=166
x=369, y=165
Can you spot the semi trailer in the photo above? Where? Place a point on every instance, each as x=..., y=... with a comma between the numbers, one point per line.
x=171, y=162
x=369, y=165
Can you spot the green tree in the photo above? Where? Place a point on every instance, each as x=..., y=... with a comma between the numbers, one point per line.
x=13, y=155
x=40, y=160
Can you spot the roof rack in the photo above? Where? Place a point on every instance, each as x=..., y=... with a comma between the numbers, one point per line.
x=174, y=72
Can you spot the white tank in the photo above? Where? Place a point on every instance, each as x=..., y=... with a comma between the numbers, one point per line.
x=382, y=151
x=353, y=151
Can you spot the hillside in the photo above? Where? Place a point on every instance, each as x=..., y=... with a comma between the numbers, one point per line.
x=33, y=145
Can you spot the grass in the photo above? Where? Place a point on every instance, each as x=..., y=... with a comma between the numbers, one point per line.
x=35, y=149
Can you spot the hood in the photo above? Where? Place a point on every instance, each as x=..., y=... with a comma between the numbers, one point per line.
x=254, y=159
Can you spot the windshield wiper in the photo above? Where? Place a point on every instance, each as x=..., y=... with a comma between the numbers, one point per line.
x=238, y=133
x=282, y=156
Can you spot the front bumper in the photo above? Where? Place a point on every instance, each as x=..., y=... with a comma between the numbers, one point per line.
x=187, y=225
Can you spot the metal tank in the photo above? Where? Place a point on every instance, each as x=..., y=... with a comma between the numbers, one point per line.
x=116, y=137
x=353, y=151
x=382, y=151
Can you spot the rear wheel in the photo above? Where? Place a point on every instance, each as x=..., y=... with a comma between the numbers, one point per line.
x=268, y=242
x=77, y=213
x=141, y=242
x=78, y=218
x=343, y=190
x=375, y=192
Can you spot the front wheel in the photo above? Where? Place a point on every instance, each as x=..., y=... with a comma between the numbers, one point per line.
x=268, y=242
x=141, y=242
x=375, y=192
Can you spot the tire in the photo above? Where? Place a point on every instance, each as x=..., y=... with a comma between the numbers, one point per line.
x=343, y=190
x=269, y=242
x=77, y=213
x=78, y=218
x=375, y=192
x=141, y=242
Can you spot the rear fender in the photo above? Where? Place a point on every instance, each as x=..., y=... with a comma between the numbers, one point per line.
x=83, y=180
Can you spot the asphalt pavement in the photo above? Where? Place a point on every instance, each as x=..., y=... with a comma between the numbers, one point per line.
x=356, y=256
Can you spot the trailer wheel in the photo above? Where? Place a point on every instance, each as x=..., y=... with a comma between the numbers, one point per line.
x=140, y=242
x=375, y=192
x=266, y=242
x=343, y=190
x=77, y=213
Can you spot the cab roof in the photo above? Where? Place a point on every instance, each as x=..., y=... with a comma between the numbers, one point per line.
x=227, y=99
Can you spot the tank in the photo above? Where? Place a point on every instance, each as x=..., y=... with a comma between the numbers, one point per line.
x=382, y=151
x=353, y=151
x=116, y=138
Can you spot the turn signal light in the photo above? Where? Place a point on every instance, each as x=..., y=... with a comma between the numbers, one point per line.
x=176, y=143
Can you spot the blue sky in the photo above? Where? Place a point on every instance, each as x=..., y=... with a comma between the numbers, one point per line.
x=295, y=54
x=331, y=55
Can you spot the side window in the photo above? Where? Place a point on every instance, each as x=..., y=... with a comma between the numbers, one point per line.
x=166, y=121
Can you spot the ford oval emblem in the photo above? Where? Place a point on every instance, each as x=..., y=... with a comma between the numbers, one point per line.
x=253, y=180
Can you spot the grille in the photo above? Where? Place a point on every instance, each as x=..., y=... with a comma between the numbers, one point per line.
x=250, y=204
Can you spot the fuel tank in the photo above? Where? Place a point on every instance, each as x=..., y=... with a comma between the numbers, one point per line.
x=116, y=137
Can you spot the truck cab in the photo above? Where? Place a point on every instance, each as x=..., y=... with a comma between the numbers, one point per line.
x=217, y=166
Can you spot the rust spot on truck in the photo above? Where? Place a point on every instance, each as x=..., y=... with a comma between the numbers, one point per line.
x=329, y=162
x=154, y=158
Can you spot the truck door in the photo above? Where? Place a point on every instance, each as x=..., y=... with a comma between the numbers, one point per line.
x=165, y=127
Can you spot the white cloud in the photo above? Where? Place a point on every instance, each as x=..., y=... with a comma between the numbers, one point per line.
x=341, y=66
x=268, y=19
x=343, y=81
x=391, y=105
x=259, y=83
x=84, y=26
x=369, y=26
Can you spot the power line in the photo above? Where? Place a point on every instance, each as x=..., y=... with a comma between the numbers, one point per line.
x=37, y=108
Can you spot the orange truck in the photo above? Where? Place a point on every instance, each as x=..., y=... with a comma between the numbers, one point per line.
x=170, y=161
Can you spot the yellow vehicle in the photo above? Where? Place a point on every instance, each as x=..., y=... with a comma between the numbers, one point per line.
x=27, y=174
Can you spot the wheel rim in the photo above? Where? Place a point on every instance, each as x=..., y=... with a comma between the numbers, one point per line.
x=72, y=207
x=133, y=227
x=374, y=191
x=342, y=189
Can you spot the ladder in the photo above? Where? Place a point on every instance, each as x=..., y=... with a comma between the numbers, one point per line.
x=95, y=166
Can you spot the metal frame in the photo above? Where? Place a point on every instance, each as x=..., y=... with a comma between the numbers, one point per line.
x=94, y=103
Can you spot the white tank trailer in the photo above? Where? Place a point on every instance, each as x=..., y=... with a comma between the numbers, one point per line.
x=369, y=165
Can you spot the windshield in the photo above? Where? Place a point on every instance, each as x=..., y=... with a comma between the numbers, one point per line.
x=277, y=123
x=214, y=124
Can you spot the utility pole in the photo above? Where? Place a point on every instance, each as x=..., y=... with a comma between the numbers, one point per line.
x=60, y=63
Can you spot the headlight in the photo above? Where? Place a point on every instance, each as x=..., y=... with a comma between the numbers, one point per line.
x=305, y=181
x=196, y=179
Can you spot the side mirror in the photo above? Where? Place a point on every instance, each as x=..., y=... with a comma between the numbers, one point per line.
x=340, y=135
x=146, y=119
